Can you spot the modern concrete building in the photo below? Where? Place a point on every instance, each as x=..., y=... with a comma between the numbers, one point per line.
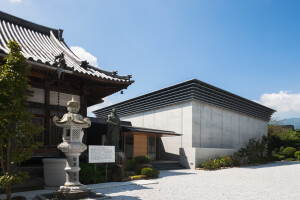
x=212, y=121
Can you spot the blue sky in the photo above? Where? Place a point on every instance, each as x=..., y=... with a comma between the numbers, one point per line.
x=247, y=47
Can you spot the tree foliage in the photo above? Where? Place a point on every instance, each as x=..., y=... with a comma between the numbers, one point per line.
x=255, y=151
x=16, y=128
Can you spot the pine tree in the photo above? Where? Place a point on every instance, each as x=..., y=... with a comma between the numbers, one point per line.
x=16, y=128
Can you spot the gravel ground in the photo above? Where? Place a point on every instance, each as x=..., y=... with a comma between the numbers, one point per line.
x=280, y=180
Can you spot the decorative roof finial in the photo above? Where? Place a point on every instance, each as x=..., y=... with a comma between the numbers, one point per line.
x=60, y=33
x=84, y=64
x=114, y=73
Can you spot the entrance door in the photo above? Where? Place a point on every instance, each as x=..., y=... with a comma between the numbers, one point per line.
x=152, y=147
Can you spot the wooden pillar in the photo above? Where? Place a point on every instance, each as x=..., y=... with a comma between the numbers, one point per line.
x=83, y=108
x=83, y=102
x=47, y=114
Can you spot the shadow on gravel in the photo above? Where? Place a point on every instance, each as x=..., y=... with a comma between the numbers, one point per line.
x=275, y=164
x=126, y=197
x=123, y=188
x=166, y=173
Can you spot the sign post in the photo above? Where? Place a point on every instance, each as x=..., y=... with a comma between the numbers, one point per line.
x=101, y=154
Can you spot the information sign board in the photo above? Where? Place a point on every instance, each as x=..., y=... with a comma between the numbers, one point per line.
x=101, y=154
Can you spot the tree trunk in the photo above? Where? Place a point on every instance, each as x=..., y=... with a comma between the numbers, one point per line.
x=8, y=191
x=8, y=170
x=2, y=160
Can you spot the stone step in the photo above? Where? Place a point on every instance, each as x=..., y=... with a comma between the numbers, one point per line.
x=168, y=168
x=166, y=165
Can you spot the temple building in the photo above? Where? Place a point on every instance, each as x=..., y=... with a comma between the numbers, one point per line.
x=56, y=74
x=211, y=121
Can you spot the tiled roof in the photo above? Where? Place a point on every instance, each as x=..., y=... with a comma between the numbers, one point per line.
x=186, y=91
x=41, y=44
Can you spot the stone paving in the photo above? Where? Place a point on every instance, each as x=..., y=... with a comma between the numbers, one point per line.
x=280, y=180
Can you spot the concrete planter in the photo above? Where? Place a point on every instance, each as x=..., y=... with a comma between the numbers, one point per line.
x=54, y=171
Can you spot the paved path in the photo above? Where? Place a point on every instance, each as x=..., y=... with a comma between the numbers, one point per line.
x=276, y=181
x=280, y=180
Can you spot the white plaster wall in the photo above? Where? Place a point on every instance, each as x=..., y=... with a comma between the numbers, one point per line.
x=63, y=98
x=176, y=117
x=38, y=95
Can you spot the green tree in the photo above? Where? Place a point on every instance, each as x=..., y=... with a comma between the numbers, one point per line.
x=16, y=128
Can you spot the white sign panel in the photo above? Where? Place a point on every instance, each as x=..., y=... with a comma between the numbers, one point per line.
x=101, y=154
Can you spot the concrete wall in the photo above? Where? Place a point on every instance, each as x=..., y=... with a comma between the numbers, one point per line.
x=214, y=127
x=177, y=118
x=207, y=131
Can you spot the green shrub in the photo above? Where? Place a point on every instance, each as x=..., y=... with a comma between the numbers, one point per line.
x=277, y=157
x=296, y=154
x=139, y=168
x=147, y=171
x=274, y=142
x=210, y=164
x=290, y=159
x=155, y=173
x=254, y=151
x=117, y=173
x=288, y=138
x=150, y=173
x=289, y=152
x=142, y=160
x=131, y=165
x=88, y=174
x=281, y=149
x=138, y=177
x=236, y=160
x=225, y=161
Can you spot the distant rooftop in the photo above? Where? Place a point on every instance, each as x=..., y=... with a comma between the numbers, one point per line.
x=41, y=44
x=189, y=90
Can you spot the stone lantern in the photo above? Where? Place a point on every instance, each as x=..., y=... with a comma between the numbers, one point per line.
x=72, y=124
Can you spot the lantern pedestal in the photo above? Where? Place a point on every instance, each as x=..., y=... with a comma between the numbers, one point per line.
x=72, y=192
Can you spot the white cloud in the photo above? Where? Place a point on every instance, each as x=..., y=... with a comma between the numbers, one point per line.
x=15, y=1
x=84, y=55
x=106, y=103
x=286, y=104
